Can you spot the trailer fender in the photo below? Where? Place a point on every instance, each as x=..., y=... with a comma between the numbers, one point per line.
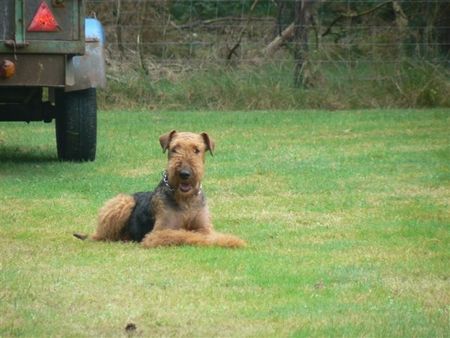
x=88, y=70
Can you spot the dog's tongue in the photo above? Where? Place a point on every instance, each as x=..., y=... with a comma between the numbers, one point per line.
x=185, y=187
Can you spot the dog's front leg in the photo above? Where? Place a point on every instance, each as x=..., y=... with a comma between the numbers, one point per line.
x=170, y=237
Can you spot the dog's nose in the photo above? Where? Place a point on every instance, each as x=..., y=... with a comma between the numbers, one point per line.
x=184, y=174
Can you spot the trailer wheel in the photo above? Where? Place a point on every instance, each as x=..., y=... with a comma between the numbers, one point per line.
x=76, y=124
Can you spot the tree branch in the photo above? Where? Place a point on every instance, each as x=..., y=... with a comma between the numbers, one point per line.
x=233, y=49
x=351, y=15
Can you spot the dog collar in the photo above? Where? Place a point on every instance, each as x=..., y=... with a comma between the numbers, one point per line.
x=166, y=183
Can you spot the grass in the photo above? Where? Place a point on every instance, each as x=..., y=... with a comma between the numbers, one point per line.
x=346, y=214
x=266, y=86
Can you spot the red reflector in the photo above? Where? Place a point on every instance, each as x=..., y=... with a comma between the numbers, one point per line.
x=43, y=20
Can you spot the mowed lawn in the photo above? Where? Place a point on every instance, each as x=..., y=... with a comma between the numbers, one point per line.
x=346, y=215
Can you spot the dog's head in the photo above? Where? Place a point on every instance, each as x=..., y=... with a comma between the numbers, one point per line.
x=186, y=153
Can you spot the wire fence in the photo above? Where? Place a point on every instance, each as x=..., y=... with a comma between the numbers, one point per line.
x=357, y=36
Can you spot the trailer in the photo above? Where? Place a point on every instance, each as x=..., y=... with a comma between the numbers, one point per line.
x=52, y=61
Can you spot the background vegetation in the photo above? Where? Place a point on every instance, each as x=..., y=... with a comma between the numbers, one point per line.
x=346, y=215
x=282, y=54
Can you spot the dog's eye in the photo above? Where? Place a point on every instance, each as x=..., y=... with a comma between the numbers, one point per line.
x=173, y=150
x=196, y=150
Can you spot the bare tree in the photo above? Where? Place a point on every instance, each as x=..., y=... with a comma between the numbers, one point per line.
x=118, y=25
x=301, y=25
x=139, y=37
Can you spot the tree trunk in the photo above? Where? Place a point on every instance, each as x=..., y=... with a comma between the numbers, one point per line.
x=119, y=27
x=401, y=22
x=301, y=42
x=139, y=37
x=279, y=40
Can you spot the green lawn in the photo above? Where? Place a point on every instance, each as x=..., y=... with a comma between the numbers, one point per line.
x=346, y=215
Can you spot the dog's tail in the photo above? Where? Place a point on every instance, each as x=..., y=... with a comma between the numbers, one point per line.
x=112, y=219
x=81, y=236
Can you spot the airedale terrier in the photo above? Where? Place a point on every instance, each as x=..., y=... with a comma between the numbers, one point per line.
x=175, y=213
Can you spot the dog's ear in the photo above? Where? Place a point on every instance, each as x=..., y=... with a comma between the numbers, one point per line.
x=165, y=139
x=209, y=142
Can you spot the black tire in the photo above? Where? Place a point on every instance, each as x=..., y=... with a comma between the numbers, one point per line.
x=76, y=125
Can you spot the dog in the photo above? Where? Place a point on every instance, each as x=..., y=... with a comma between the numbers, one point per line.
x=175, y=213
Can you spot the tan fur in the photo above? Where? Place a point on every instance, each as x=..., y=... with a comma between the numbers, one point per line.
x=187, y=224
x=169, y=237
x=113, y=217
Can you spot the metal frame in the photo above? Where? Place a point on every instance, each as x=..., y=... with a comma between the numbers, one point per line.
x=74, y=47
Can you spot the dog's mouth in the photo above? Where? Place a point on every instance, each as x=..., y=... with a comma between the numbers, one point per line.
x=185, y=187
